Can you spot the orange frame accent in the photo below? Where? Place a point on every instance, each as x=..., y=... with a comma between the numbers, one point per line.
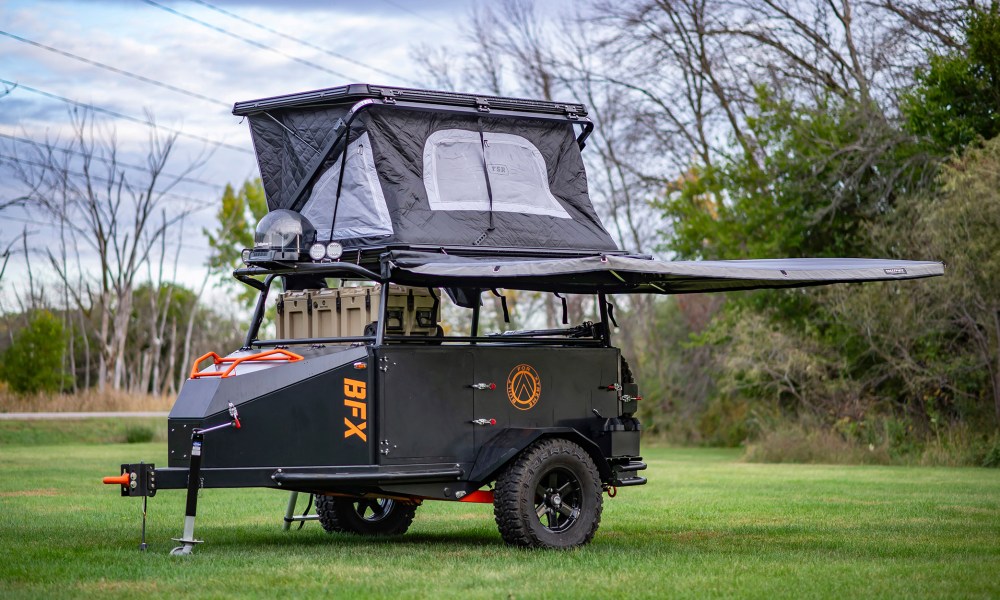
x=479, y=496
x=267, y=356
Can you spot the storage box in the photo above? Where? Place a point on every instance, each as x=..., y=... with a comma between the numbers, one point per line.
x=358, y=306
x=345, y=312
x=412, y=311
x=325, y=316
x=295, y=315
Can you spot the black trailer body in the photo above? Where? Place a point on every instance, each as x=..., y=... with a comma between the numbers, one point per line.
x=402, y=420
x=453, y=195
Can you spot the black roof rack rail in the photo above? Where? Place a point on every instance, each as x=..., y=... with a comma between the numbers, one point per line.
x=389, y=94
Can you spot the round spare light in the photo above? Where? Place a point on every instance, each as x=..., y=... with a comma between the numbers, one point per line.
x=333, y=250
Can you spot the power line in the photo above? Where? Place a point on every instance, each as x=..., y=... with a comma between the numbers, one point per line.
x=106, y=161
x=303, y=42
x=414, y=13
x=19, y=160
x=125, y=117
x=43, y=224
x=245, y=40
x=116, y=70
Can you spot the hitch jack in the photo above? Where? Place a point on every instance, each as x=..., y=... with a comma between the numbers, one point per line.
x=187, y=539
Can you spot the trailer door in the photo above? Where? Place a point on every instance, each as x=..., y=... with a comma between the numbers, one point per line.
x=425, y=405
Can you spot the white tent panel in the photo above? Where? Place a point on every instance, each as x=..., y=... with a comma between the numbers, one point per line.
x=362, y=211
x=454, y=177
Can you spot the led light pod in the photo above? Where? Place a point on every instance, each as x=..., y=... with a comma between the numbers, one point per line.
x=317, y=252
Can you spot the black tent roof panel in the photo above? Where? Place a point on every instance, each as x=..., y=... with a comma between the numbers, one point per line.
x=356, y=92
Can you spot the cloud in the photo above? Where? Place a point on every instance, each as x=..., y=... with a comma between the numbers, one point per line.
x=153, y=43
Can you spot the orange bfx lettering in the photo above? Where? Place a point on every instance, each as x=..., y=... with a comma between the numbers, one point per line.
x=359, y=410
x=354, y=389
x=353, y=429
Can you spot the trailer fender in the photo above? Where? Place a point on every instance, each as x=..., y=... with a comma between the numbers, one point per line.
x=505, y=446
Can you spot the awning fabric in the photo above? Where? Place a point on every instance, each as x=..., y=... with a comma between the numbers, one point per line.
x=630, y=274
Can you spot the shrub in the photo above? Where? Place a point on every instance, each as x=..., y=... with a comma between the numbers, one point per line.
x=138, y=434
x=33, y=363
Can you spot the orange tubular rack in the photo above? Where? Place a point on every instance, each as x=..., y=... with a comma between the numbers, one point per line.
x=276, y=355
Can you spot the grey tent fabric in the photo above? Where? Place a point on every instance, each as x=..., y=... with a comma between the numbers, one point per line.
x=628, y=274
x=502, y=181
x=361, y=210
x=289, y=144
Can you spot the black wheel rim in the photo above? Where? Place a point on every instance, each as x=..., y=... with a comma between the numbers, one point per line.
x=558, y=499
x=373, y=509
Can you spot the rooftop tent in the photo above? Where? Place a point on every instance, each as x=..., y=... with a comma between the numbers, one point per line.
x=428, y=169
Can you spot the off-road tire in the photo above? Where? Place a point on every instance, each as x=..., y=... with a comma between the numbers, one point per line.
x=522, y=492
x=344, y=515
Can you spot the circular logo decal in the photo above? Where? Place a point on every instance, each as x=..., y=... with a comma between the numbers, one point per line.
x=524, y=387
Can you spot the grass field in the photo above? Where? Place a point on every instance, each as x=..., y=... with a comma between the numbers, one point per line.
x=706, y=525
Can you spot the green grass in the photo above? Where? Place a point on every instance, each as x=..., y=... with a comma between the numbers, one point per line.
x=80, y=431
x=707, y=525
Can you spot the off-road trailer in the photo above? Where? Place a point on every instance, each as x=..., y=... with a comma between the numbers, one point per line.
x=363, y=401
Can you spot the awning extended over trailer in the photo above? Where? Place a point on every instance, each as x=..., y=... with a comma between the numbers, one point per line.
x=629, y=274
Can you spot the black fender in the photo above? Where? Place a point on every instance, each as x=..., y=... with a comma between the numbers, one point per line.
x=506, y=445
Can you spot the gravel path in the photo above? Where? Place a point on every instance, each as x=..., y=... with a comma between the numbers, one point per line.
x=28, y=416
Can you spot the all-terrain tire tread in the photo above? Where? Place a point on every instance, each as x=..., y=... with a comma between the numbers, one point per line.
x=512, y=487
x=327, y=514
x=337, y=515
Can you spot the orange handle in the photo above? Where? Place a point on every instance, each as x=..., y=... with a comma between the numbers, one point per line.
x=122, y=479
x=275, y=355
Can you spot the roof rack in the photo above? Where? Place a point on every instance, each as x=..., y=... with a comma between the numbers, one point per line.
x=360, y=91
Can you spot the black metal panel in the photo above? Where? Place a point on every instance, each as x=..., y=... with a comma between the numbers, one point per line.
x=302, y=424
x=539, y=388
x=425, y=404
x=208, y=396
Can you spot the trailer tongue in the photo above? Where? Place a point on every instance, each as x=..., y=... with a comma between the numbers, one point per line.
x=384, y=203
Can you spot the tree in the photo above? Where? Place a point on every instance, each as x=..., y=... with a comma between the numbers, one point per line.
x=33, y=363
x=237, y=218
x=117, y=212
x=957, y=97
x=819, y=174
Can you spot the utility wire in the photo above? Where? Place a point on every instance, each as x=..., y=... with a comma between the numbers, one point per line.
x=116, y=70
x=303, y=42
x=414, y=13
x=246, y=40
x=107, y=162
x=25, y=161
x=42, y=224
x=125, y=117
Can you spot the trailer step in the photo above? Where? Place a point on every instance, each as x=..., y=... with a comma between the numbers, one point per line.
x=320, y=479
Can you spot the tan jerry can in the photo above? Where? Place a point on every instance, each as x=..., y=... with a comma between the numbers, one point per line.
x=325, y=316
x=295, y=315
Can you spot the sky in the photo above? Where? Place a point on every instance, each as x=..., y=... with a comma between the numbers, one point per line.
x=196, y=48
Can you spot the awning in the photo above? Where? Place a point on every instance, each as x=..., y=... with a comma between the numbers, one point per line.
x=630, y=274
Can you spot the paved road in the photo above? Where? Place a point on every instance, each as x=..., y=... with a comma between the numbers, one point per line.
x=28, y=416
